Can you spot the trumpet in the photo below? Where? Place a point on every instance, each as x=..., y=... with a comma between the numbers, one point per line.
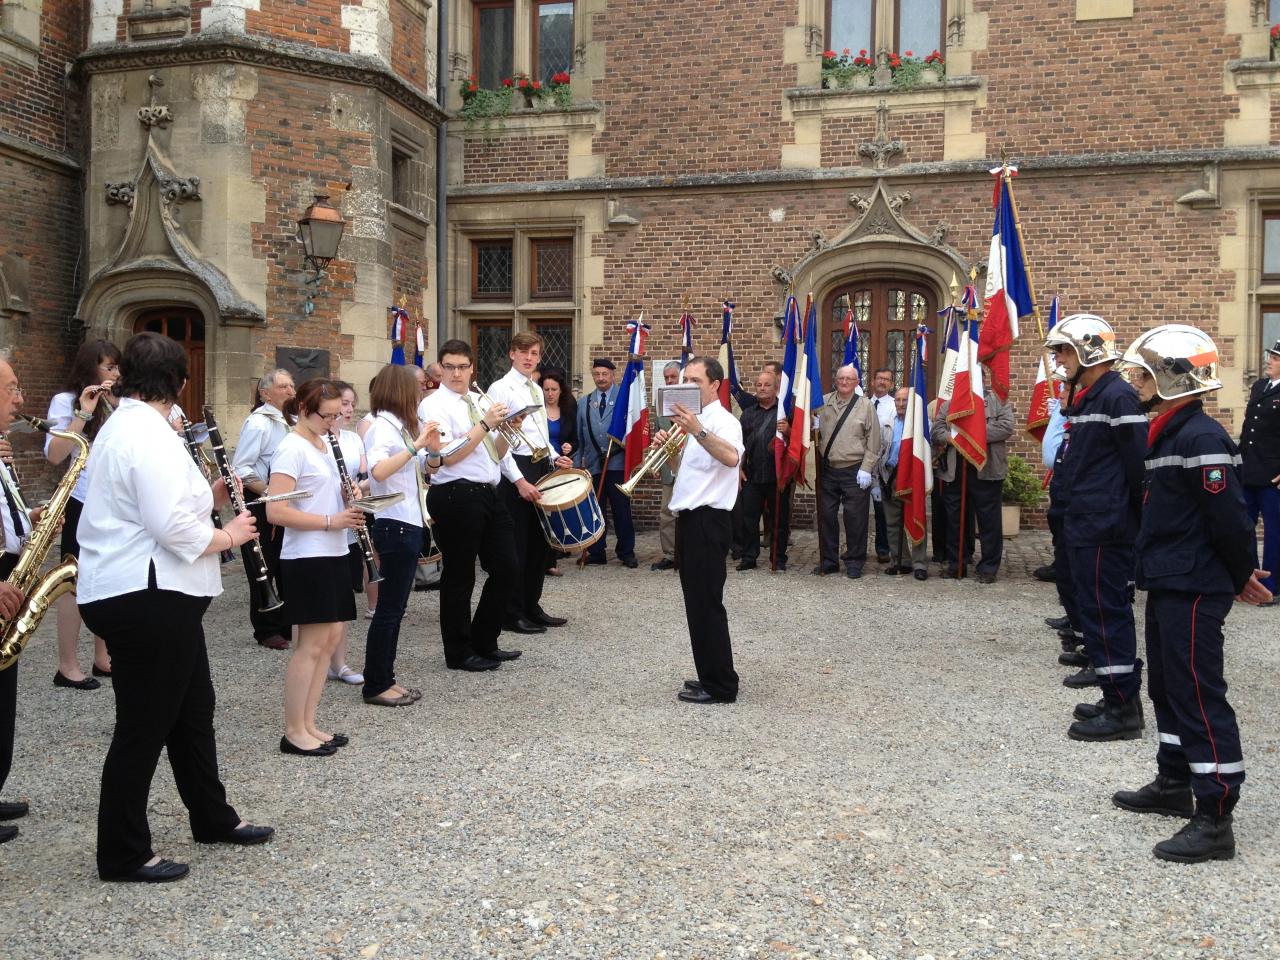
x=654, y=458
x=509, y=431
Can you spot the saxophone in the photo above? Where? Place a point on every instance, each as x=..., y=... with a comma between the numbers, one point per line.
x=41, y=591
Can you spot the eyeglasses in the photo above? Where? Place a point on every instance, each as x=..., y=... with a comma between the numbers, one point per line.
x=328, y=417
x=455, y=367
x=15, y=390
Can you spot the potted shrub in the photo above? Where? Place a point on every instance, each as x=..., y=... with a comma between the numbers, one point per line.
x=526, y=87
x=557, y=89
x=843, y=70
x=935, y=68
x=484, y=106
x=1275, y=42
x=1022, y=488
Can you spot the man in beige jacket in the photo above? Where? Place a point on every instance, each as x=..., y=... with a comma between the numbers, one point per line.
x=848, y=448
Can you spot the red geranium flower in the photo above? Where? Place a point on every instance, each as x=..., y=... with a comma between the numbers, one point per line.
x=506, y=82
x=846, y=51
x=908, y=53
x=537, y=85
x=1275, y=32
x=472, y=88
x=524, y=82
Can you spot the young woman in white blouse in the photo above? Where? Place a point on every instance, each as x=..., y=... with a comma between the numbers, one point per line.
x=315, y=576
x=352, y=446
x=148, y=571
x=83, y=407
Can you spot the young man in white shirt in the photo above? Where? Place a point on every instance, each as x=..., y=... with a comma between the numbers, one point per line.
x=262, y=432
x=469, y=519
x=702, y=499
x=518, y=490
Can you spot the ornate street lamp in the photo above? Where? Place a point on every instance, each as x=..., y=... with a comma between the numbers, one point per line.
x=320, y=230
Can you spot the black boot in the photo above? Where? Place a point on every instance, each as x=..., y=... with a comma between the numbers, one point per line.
x=1206, y=837
x=1058, y=623
x=1085, y=678
x=1163, y=795
x=1087, y=711
x=1072, y=656
x=1115, y=722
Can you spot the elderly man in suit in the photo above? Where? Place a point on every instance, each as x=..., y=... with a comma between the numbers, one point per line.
x=595, y=414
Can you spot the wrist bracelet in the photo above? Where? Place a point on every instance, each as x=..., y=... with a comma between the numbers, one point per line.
x=81, y=415
x=484, y=426
x=327, y=520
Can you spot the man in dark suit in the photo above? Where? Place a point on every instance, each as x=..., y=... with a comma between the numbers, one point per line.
x=1260, y=472
x=595, y=415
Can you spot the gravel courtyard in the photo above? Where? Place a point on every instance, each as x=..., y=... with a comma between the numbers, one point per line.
x=896, y=781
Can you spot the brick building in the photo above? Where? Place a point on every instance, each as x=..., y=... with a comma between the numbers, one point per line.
x=697, y=154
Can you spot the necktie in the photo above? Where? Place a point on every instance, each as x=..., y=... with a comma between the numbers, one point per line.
x=489, y=445
x=407, y=437
x=604, y=397
x=15, y=514
x=539, y=415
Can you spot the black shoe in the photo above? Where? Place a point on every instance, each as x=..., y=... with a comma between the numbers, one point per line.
x=162, y=872
x=1069, y=636
x=1085, y=678
x=12, y=811
x=7, y=834
x=746, y=565
x=1073, y=658
x=498, y=654
x=324, y=750
x=692, y=685
x=629, y=562
x=1115, y=722
x=921, y=574
x=341, y=739
x=892, y=570
x=948, y=573
x=1205, y=837
x=474, y=664
x=663, y=564
x=821, y=571
x=781, y=566
x=986, y=578
x=523, y=625
x=547, y=620
x=88, y=683
x=853, y=573
x=698, y=696
x=1046, y=573
x=882, y=558
x=99, y=672
x=1163, y=795
x=1087, y=711
x=246, y=836
x=596, y=561
x=1058, y=623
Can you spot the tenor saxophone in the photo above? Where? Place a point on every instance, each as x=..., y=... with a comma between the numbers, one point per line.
x=39, y=592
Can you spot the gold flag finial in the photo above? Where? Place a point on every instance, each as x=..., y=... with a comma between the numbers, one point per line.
x=955, y=287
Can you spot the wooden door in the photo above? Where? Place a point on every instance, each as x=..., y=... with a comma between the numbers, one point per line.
x=886, y=313
x=187, y=327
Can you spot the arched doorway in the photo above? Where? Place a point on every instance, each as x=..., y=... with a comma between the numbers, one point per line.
x=886, y=312
x=186, y=325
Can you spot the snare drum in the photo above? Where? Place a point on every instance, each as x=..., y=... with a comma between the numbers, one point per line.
x=570, y=513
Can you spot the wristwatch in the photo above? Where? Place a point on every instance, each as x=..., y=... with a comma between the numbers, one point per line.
x=701, y=435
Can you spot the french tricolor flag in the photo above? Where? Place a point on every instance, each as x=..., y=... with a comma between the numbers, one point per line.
x=630, y=426
x=806, y=398
x=1008, y=293
x=1043, y=391
x=967, y=413
x=851, y=343
x=914, y=479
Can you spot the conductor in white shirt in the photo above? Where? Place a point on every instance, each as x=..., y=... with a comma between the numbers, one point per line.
x=702, y=499
x=518, y=490
x=148, y=571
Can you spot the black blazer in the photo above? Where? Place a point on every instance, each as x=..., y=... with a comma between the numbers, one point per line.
x=1260, y=436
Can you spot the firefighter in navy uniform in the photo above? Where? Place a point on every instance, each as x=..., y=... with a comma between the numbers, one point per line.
x=1260, y=448
x=1097, y=490
x=1195, y=552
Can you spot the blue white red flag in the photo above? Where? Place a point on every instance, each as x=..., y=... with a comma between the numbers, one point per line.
x=420, y=344
x=914, y=478
x=851, y=343
x=1008, y=293
x=399, y=327
x=806, y=399
x=1044, y=390
x=639, y=332
x=630, y=425
x=729, y=385
x=950, y=352
x=967, y=411
x=686, y=338
x=790, y=340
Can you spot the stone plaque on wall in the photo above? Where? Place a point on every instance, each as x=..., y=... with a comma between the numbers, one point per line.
x=303, y=362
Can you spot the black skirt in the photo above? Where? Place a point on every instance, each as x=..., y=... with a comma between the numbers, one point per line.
x=355, y=558
x=71, y=520
x=317, y=590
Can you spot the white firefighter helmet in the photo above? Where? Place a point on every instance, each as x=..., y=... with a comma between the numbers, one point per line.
x=1089, y=335
x=1181, y=359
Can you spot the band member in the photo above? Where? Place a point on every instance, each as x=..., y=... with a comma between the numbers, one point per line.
x=1260, y=472
x=352, y=445
x=667, y=477
x=393, y=445
x=259, y=438
x=848, y=448
x=763, y=420
x=595, y=416
x=17, y=524
x=313, y=560
x=148, y=571
x=705, y=488
x=1195, y=551
x=562, y=430
x=470, y=519
x=1098, y=488
x=520, y=473
x=83, y=407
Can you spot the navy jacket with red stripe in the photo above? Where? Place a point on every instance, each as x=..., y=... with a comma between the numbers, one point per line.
x=1195, y=534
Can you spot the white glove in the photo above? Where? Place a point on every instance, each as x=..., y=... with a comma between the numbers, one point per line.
x=876, y=494
x=864, y=479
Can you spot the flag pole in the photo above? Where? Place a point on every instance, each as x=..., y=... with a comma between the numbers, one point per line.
x=962, y=464
x=1007, y=176
x=604, y=472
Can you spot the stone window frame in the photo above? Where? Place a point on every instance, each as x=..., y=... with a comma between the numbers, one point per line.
x=523, y=30
x=1264, y=289
x=407, y=157
x=534, y=66
x=20, y=32
x=886, y=21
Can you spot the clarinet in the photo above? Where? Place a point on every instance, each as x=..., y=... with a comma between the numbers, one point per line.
x=257, y=561
x=193, y=448
x=351, y=495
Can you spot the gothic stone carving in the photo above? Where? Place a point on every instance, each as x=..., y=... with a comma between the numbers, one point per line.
x=955, y=31
x=781, y=276
x=899, y=200
x=156, y=115
x=303, y=363
x=820, y=241
x=178, y=189
x=858, y=200
x=879, y=150
x=120, y=193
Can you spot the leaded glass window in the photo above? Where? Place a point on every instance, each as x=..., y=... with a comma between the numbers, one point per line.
x=552, y=39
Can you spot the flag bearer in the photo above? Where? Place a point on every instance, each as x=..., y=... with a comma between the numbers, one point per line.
x=1099, y=475
x=1195, y=551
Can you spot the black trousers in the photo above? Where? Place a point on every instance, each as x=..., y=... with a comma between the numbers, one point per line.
x=982, y=504
x=883, y=547
x=758, y=501
x=272, y=539
x=703, y=536
x=1062, y=574
x=1199, y=739
x=470, y=521
x=8, y=692
x=532, y=549
x=839, y=493
x=938, y=522
x=164, y=699
x=1101, y=576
